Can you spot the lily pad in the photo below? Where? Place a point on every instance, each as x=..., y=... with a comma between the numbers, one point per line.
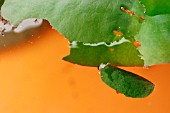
x=88, y=21
x=79, y=20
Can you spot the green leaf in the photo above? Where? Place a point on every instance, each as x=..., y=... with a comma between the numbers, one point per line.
x=1, y=2
x=155, y=39
x=89, y=21
x=122, y=52
x=129, y=84
x=79, y=20
x=157, y=7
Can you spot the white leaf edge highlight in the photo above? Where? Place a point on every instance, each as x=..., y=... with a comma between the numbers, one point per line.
x=122, y=40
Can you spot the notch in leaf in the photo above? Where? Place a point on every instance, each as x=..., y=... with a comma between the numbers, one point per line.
x=127, y=83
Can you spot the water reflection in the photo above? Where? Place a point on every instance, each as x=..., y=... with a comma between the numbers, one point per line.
x=24, y=32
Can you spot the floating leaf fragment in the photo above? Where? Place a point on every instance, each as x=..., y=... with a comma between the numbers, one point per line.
x=127, y=83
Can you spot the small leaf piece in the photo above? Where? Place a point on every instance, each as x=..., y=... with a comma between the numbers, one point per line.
x=131, y=85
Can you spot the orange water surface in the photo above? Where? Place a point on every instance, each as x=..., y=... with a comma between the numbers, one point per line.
x=35, y=79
